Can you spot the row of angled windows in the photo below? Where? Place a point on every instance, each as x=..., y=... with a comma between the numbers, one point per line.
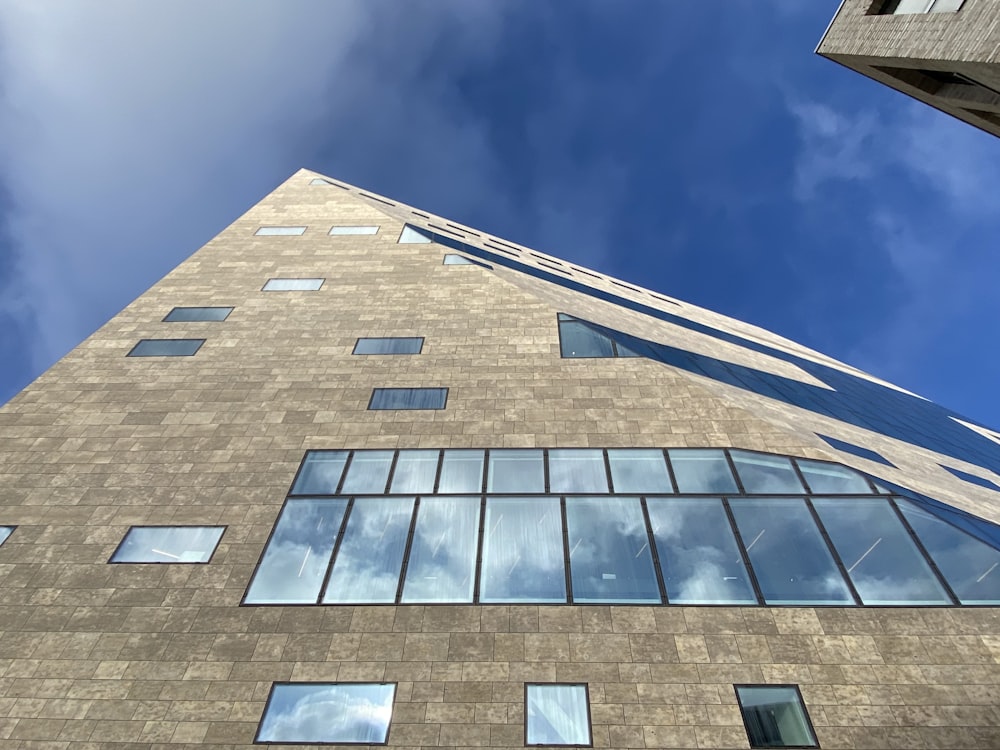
x=556, y=714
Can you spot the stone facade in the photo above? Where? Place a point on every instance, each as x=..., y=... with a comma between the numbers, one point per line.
x=94, y=655
x=893, y=49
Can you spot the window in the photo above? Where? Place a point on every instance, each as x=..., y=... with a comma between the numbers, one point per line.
x=971, y=478
x=168, y=544
x=324, y=713
x=408, y=398
x=855, y=450
x=411, y=236
x=279, y=231
x=557, y=714
x=904, y=7
x=394, y=345
x=191, y=314
x=774, y=716
x=5, y=532
x=293, y=285
x=318, y=181
x=451, y=259
x=353, y=230
x=762, y=474
x=166, y=348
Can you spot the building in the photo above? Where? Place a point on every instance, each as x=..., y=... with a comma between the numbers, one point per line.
x=353, y=473
x=945, y=53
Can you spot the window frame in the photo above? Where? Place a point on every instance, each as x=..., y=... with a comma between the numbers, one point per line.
x=133, y=352
x=166, y=318
x=124, y=539
x=586, y=698
x=801, y=703
x=279, y=683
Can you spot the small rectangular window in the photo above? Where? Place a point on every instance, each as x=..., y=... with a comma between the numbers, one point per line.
x=166, y=348
x=5, y=532
x=346, y=713
x=354, y=230
x=451, y=259
x=775, y=716
x=413, y=236
x=168, y=544
x=293, y=285
x=389, y=345
x=557, y=714
x=408, y=398
x=279, y=231
x=192, y=314
x=318, y=181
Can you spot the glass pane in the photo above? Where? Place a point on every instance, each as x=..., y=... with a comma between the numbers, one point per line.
x=451, y=259
x=912, y=6
x=412, y=235
x=762, y=475
x=698, y=470
x=298, y=553
x=353, y=230
x=370, y=556
x=523, y=551
x=325, y=713
x=368, y=473
x=461, y=471
x=699, y=558
x=415, y=472
x=578, y=340
x=830, y=479
x=577, y=470
x=185, y=314
x=789, y=556
x=971, y=567
x=320, y=473
x=166, y=347
x=557, y=715
x=409, y=398
x=280, y=231
x=516, y=470
x=293, y=285
x=624, y=351
x=609, y=556
x=774, y=717
x=946, y=6
x=168, y=544
x=397, y=345
x=442, y=562
x=5, y=531
x=881, y=559
x=639, y=470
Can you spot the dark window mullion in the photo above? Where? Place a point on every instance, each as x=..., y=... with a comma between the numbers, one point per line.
x=479, y=546
x=437, y=472
x=802, y=477
x=670, y=471
x=833, y=551
x=343, y=473
x=406, y=549
x=736, y=474
x=565, y=537
x=336, y=549
x=607, y=471
x=653, y=551
x=392, y=471
x=923, y=551
x=743, y=552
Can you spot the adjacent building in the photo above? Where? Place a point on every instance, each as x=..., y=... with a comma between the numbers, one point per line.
x=357, y=474
x=946, y=53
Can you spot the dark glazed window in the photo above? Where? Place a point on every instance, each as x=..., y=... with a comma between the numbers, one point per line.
x=168, y=544
x=166, y=348
x=576, y=339
x=408, y=398
x=774, y=716
x=5, y=532
x=191, y=314
x=343, y=713
x=557, y=714
x=832, y=479
x=389, y=345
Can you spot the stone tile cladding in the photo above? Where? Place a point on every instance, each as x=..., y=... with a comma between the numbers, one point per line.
x=967, y=41
x=156, y=656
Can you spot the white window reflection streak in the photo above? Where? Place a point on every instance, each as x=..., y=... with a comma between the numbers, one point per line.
x=320, y=473
x=442, y=560
x=609, y=555
x=168, y=544
x=577, y=470
x=298, y=554
x=327, y=713
x=367, y=565
x=557, y=715
x=699, y=558
x=523, y=551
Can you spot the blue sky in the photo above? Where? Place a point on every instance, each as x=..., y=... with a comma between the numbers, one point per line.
x=697, y=148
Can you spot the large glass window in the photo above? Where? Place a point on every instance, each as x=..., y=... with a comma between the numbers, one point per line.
x=192, y=314
x=415, y=472
x=702, y=470
x=394, y=345
x=762, y=474
x=523, y=558
x=788, y=554
x=442, y=562
x=831, y=479
x=639, y=470
x=320, y=473
x=408, y=398
x=168, y=544
x=166, y=348
x=577, y=470
x=556, y=714
x=516, y=470
x=609, y=555
x=461, y=471
x=327, y=713
x=774, y=716
x=699, y=557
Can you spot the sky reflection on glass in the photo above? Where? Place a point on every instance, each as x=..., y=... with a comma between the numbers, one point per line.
x=327, y=713
x=639, y=470
x=579, y=340
x=523, y=551
x=442, y=561
x=368, y=473
x=320, y=473
x=765, y=474
x=699, y=558
x=462, y=471
x=557, y=715
x=5, y=531
x=297, y=556
x=516, y=470
x=577, y=470
x=830, y=479
x=167, y=544
x=702, y=470
x=371, y=553
x=414, y=472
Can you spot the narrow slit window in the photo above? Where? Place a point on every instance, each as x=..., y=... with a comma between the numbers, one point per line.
x=349, y=713
x=453, y=259
x=389, y=345
x=280, y=231
x=557, y=714
x=168, y=544
x=353, y=230
x=166, y=348
x=408, y=398
x=293, y=285
x=195, y=314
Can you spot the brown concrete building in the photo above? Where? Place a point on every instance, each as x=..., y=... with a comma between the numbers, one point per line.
x=353, y=473
x=945, y=53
